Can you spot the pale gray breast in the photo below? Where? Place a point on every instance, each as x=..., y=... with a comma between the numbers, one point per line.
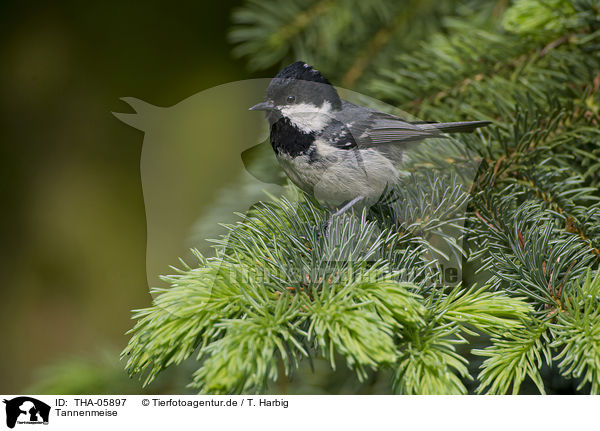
x=302, y=171
x=334, y=176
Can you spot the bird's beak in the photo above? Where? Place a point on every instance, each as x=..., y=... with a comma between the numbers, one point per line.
x=263, y=106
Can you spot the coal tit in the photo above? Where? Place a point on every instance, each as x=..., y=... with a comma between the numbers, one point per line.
x=339, y=152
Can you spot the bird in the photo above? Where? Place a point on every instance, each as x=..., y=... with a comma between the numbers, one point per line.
x=343, y=154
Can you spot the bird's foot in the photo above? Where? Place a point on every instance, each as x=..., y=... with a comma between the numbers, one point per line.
x=323, y=228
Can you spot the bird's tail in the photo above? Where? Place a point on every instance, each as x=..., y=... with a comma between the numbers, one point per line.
x=458, y=127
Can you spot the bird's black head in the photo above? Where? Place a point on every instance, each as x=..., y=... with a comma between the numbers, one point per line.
x=299, y=86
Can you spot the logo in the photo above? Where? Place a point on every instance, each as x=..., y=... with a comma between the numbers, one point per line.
x=26, y=410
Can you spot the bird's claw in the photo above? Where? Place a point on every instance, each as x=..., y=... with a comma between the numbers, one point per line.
x=323, y=228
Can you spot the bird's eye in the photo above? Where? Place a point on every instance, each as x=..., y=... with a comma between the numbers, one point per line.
x=291, y=99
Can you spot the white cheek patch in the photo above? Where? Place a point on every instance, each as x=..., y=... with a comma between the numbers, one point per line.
x=307, y=117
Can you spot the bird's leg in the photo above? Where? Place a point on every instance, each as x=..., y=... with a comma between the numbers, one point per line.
x=339, y=212
x=346, y=207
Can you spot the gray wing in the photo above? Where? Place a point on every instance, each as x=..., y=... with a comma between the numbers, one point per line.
x=371, y=128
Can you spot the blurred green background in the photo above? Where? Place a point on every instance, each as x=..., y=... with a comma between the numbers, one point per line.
x=73, y=225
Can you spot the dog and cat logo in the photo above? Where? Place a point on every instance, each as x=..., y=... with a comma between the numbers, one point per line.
x=26, y=410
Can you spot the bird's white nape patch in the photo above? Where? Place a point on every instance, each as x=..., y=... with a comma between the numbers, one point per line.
x=308, y=117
